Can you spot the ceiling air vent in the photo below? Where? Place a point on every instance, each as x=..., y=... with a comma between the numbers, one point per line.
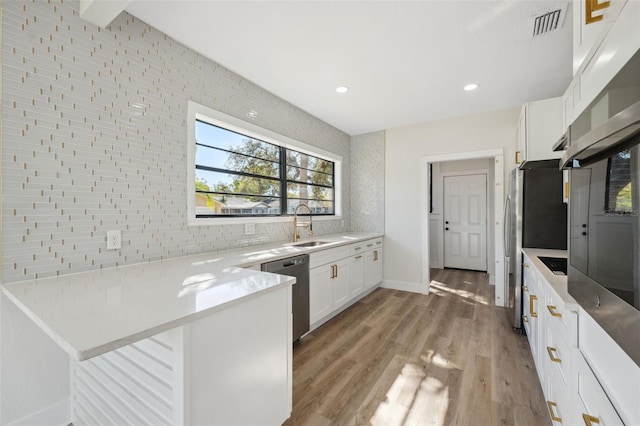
x=548, y=22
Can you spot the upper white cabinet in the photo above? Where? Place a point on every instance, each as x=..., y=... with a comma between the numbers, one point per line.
x=590, y=20
x=616, y=38
x=539, y=127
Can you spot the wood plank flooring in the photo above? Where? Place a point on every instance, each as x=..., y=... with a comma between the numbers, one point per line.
x=397, y=358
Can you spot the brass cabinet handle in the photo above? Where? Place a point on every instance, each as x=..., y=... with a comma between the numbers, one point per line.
x=525, y=319
x=359, y=257
x=375, y=255
x=526, y=265
x=357, y=248
x=532, y=298
x=551, y=405
x=517, y=157
x=333, y=271
x=552, y=309
x=525, y=288
x=336, y=266
x=378, y=242
x=551, y=351
x=370, y=245
x=590, y=420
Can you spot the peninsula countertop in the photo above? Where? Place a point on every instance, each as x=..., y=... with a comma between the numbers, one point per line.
x=91, y=313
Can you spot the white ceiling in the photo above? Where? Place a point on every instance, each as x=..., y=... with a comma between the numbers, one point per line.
x=405, y=62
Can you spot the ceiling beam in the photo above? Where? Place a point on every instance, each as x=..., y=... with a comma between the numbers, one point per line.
x=101, y=12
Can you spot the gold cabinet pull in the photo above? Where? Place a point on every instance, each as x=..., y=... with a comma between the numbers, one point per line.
x=551, y=406
x=590, y=420
x=525, y=319
x=375, y=255
x=517, y=157
x=552, y=351
x=532, y=298
x=336, y=266
x=359, y=257
x=333, y=271
x=378, y=242
x=357, y=248
x=525, y=288
x=370, y=245
x=526, y=265
x=553, y=311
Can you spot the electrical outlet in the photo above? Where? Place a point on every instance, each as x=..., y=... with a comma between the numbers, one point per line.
x=249, y=228
x=114, y=240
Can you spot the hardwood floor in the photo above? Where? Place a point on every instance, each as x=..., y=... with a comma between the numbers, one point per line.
x=397, y=358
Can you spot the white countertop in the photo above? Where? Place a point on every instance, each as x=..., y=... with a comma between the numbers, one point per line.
x=557, y=282
x=91, y=313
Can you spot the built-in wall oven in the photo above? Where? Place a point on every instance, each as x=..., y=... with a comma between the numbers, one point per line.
x=604, y=209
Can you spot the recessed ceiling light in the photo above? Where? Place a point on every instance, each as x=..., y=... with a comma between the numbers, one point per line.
x=470, y=87
x=342, y=89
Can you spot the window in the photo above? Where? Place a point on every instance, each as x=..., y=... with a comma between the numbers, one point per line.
x=240, y=170
x=618, y=188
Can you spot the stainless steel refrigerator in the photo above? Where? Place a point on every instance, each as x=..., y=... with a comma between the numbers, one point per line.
x=534, y=217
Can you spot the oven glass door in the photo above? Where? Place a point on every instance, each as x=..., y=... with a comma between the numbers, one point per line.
x=604, y=234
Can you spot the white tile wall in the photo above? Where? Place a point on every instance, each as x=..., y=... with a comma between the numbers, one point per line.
x=367, y=171
x=94, y=138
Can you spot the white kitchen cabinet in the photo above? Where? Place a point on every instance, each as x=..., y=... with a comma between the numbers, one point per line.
x=587, y=34
x=356, y=275
x=340, y=276
x=534, y=299
x=539, y=127
x=320, y=292
x=595, y=383
x=618, y=39
x=592, y=404
x=340, y=283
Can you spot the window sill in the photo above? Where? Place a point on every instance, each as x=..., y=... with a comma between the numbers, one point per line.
x=245, y=220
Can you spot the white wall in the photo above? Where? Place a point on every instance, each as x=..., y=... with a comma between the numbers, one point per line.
x=404, y=148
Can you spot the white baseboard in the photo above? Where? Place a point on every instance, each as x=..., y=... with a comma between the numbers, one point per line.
x=405, y=286
x=58, y=414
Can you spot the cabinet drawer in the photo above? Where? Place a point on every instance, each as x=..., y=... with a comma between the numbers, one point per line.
x=592, y=402
x=559, y=358
x=558, y=402
x=323, y=257
x=559, y=317
x=357, y=248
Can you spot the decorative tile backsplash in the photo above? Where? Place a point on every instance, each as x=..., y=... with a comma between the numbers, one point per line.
x=367, y=171
x=94, y=138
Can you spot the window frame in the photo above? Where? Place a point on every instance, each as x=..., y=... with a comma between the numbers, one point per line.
x=208, y=115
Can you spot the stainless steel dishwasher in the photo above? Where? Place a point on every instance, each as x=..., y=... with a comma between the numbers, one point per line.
x=297, y=267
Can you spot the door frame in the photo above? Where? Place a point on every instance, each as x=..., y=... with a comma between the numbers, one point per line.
x=498, y=199
x=484, y=172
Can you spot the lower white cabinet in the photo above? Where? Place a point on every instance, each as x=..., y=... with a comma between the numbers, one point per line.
x=356, y=275
x=573, y=394
x=340, y=276
x=320, y=293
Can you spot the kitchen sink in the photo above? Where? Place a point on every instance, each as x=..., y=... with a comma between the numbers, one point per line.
x=311, y=244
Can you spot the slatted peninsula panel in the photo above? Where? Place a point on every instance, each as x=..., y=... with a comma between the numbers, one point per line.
x=135, y=385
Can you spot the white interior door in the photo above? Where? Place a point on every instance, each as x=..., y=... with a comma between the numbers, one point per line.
x=465, y=222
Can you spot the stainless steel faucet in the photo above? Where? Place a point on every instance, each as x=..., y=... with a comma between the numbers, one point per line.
x=296, y=224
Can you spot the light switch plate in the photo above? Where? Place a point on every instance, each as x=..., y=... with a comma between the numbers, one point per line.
x=114, y=240
x=249, y=228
